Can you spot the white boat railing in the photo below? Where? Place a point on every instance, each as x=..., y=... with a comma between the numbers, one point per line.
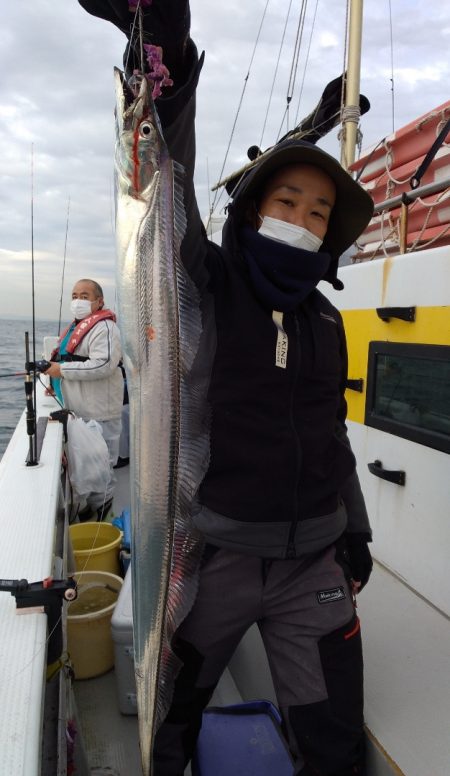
x=30, y=501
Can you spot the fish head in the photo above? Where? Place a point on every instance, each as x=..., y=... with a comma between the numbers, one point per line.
x=139, y=141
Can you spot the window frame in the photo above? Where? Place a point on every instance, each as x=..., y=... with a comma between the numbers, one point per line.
x=433, y=439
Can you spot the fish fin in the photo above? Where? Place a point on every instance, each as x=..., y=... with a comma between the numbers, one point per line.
x=193, y=456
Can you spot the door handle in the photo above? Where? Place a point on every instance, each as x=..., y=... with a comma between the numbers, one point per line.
x=398, y=477
x=355, y=385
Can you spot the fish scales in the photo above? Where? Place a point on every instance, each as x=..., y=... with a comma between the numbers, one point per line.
x=160, y=323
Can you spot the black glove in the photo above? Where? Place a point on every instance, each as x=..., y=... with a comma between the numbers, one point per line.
x=359, y=557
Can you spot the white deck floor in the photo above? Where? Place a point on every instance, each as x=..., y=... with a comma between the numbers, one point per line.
x=407, y=675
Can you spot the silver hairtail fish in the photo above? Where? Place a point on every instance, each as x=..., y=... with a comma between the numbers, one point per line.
x=160, y=323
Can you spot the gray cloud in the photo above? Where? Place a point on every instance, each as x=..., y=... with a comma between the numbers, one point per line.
x=57, y=93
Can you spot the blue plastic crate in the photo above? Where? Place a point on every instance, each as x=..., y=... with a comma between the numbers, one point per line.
x=242, y=740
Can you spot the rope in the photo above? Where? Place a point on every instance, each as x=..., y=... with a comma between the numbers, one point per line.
x=351, y=113
x=394, y=227
x=430, y=206
x=433, y=239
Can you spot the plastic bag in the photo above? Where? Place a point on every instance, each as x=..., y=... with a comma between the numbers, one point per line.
x=87, y=457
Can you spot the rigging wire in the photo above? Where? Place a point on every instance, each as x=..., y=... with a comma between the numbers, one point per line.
x=239, y=106
x=210, y=225
x=64, y=267
x=32, y=293
x=294, y=66
x=306, y=63
x=392, y=65
x=237, y=176
x=219, y=188
x=296, y=55
x=276, y=72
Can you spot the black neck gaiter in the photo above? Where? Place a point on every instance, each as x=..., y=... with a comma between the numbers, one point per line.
x=282, y=275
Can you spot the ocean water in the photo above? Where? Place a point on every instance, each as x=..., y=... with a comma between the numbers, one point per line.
x=12, y=359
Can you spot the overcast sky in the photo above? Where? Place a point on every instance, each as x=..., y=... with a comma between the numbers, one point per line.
x=57, y=98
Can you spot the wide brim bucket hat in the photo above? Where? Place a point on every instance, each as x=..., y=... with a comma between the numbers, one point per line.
x=353, y=208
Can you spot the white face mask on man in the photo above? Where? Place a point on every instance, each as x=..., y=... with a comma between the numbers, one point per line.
x=80, y=308
x=294, y=235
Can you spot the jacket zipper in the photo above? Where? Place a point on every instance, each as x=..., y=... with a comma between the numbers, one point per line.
x=290, y=553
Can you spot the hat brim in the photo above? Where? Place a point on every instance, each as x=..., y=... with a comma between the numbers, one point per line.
x=353, y=208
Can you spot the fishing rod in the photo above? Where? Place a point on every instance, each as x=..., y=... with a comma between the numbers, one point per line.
x=30, y=381
x=30, y=385
x=32, y=367
x=36, y=366
x=64, y=268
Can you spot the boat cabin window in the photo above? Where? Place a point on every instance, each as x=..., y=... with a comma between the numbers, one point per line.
x=408, y=392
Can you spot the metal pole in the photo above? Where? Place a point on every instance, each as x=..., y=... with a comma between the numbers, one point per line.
x=351, y=112
x=403, y=227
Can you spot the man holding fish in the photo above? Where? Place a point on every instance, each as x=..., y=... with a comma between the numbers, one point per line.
x=280, y=508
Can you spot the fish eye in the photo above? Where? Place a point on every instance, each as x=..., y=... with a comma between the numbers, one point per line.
x=146, y=129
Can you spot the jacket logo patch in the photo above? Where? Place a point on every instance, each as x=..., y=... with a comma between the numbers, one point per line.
x=331, y=595
x=282, y=341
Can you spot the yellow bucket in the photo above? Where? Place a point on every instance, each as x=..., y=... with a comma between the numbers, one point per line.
x=89, y=639
x=96, y=546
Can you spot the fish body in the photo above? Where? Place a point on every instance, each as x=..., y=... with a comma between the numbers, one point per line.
x=160, y=323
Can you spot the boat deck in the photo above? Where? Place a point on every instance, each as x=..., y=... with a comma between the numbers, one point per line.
x=406, y=641
x=407, y=685
x=110, y=739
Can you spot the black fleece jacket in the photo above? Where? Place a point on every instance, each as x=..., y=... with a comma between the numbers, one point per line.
x=280, y=455
x=281, y=479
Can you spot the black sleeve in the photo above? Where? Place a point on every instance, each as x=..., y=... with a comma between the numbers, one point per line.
x=177, y=115
x=114, y=11
x=166, y=23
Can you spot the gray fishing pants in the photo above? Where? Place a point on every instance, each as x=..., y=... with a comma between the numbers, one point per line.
x=311, y=634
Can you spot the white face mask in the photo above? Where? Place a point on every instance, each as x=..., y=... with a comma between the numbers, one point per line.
x=80, y=308
x=294, y=235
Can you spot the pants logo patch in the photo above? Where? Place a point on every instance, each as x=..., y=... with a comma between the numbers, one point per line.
x=329, y=596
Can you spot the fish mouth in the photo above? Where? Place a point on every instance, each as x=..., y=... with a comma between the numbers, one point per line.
x=132, y=99
x=132, y=87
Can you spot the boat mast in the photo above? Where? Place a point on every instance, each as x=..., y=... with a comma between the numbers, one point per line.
x=351, y=111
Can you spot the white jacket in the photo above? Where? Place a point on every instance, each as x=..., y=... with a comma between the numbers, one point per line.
x=94, y=388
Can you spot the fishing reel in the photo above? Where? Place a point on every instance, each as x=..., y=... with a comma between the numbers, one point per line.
x=38, y=366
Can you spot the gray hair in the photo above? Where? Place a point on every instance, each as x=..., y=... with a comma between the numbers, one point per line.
x=98, y=290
